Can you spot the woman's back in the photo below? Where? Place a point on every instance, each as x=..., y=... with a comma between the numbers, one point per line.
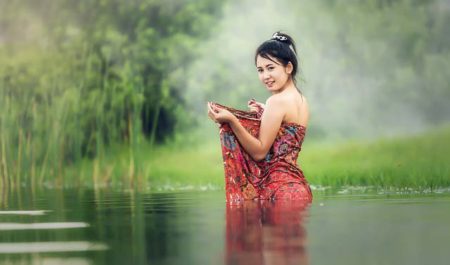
x=296, y=107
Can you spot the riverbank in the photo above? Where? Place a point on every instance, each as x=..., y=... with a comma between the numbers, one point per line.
x=418, y=162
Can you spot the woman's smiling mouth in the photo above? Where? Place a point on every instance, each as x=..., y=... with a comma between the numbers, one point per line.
x=270, y=83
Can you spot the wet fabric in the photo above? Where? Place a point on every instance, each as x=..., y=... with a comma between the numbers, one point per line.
x=277, y=176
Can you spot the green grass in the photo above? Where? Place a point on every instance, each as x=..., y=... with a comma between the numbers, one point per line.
x=159, y=168
x=418, y=162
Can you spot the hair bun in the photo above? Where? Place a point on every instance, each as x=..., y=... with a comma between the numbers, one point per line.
x=284, y=38
x=279, y=37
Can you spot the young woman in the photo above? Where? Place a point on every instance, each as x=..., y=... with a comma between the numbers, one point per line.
x=260, y=147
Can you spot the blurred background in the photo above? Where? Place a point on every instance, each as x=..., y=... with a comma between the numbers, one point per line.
x=113, y=93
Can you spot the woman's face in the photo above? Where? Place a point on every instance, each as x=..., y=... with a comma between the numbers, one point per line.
x=272, y=73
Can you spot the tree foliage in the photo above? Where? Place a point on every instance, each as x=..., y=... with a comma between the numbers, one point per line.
x=76, y=76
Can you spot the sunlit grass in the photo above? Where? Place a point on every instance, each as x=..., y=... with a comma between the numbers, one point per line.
x=171, y=167
x=418, y=162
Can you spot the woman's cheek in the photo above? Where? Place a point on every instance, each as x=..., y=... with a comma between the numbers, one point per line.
x=261, y=78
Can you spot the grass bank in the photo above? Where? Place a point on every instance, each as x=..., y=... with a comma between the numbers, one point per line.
x=418, y=162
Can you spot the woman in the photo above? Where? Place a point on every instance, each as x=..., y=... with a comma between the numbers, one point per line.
x=261, y=162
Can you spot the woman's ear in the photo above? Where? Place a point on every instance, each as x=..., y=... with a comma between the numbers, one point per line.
x=289, y=68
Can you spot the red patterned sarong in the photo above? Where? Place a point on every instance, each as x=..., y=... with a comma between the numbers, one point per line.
x=277, y=176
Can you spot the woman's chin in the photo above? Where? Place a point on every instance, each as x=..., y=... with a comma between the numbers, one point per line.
x=272, y=89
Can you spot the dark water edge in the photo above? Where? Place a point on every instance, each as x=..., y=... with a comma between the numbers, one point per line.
x=348, y=226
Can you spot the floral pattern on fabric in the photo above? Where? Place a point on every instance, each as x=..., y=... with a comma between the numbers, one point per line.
x=277, y=176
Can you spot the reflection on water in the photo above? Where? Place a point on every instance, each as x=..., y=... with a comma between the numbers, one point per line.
x=266, y=232
x=21, y=226
x=37, y=212
x=53, y=261
x=105, y=227
x=36, y=247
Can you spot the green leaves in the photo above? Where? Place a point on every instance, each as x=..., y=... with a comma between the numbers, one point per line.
x=91, y=74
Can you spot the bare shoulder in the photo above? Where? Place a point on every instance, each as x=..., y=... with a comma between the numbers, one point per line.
x=274, y=110
x=276, y=100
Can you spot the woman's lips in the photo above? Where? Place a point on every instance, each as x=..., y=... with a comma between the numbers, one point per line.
x=270, y=83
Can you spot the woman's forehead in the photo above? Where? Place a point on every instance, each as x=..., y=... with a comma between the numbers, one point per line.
x=261, y=61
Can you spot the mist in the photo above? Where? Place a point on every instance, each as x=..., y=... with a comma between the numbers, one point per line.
x=368, y=69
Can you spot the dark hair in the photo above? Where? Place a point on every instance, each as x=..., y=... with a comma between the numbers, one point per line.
x=281, y=47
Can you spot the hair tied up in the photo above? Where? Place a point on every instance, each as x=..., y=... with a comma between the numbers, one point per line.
x=283, y=39
x=275, y=36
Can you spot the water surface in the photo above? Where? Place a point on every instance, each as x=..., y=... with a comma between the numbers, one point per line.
x=107, y=227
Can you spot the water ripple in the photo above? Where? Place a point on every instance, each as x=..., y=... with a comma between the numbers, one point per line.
x=36, y=226
x=35, y=212
x=36, y=247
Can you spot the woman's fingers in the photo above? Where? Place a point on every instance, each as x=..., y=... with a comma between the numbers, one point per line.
x=212, y=113
x=215, y=108
x=211, y=107
x=218, y=114
x=211, y=116
x=253, y=105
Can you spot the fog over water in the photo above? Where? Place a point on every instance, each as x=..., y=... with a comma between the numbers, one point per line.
x=368, y=70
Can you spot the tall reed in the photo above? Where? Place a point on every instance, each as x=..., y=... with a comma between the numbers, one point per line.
x=55, y=111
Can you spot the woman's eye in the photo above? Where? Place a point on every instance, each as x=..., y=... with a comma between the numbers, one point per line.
x=259, y=70
x=271, y=68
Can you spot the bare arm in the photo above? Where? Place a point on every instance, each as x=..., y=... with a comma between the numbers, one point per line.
x=271, y=120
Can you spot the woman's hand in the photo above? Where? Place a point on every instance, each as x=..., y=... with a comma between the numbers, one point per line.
x=219, y=115
x=255, y=106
